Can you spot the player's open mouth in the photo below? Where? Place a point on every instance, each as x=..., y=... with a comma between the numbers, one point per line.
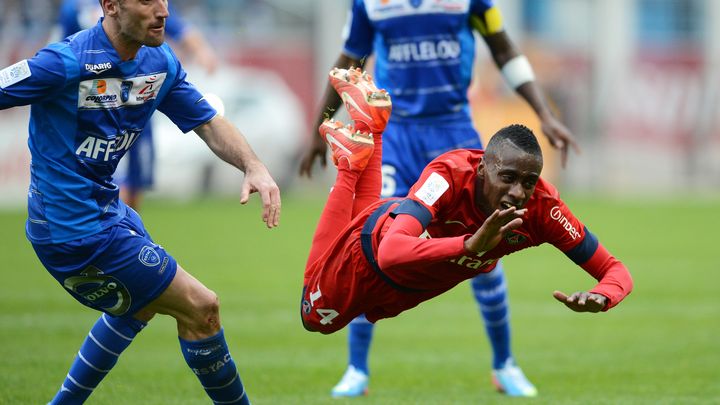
x=505, y=205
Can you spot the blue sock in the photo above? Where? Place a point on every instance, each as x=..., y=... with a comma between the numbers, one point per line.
x=211, y=362
x=359, y=339
x=490, y=291
x=97, y=356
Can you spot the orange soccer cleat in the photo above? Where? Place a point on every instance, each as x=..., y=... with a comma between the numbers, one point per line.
x=347, y=143
x=367, y=105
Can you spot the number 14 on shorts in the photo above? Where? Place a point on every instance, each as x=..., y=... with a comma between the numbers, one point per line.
x=326, y=315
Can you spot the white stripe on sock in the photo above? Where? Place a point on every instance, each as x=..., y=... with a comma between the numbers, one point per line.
x=91, y=365
x=101, y=346
x=223, y=386
x=233, y=401
x=502, y=321
x=78, y=384
x=493, y=308
x=114, y=330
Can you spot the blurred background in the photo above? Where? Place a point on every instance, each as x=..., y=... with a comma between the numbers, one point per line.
x=637, y=81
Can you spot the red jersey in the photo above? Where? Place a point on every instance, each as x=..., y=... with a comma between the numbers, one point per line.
x=413, y=248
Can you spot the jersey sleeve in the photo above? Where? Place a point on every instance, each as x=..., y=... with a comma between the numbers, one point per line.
x=401, y=246
x=568, y=234
x=358, y=32
x=32, y=80
x=485, y=17
x=184, y=104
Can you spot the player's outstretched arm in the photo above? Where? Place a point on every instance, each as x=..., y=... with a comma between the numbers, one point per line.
x=226, y=141
x=518, y=73
x=493, y=229
x=328, y=107
x=582, y=301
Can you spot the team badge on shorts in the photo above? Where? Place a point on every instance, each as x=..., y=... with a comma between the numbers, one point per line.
x=148, y=256
x=306, y=307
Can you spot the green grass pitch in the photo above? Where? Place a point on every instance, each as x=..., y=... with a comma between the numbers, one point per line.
x=660, y=346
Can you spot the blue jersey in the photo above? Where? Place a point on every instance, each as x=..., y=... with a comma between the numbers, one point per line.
x=424, y=51
x=77, y=15
x=88, y=107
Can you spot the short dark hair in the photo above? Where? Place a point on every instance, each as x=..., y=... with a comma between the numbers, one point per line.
x=519, y=136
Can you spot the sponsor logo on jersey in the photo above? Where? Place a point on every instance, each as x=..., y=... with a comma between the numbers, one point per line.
x=424, y=51
x=148, y=91
x=98, y=68
x=104, y=149
x=472, y=262
x=383, y=9
x=557, y=215
x=116, y=92
x=97, y=93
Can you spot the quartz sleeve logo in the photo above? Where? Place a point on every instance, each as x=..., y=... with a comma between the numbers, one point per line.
x=557, y=215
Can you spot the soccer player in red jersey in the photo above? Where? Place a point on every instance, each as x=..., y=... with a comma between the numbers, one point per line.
x=468, y=209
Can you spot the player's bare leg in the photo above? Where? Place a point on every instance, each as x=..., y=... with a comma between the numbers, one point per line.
x=202, y=341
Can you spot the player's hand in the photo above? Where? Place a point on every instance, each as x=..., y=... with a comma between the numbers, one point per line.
x=582, y=301
x=559, y=136
x=318, y=150
x=258, y=179
x=493, y=229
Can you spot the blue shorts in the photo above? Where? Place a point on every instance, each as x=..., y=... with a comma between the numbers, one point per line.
x=136, y=168
x=119, y=270
x=409, y=146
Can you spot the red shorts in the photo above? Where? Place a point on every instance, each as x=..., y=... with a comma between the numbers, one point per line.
x=342, y=285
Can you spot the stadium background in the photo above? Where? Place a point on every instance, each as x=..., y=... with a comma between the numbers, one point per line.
x=637, y=81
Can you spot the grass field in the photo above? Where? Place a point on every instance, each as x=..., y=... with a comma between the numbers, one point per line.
x=660, y=346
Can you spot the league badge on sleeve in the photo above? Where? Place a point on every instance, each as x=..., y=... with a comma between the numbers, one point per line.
x=14, y=73
x=432, y=189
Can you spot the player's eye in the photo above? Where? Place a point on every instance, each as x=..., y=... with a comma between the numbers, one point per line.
x=506, y=178
x=528, y=184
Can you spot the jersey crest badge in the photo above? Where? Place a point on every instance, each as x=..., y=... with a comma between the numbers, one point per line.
x=514, y=238
x=125, y=88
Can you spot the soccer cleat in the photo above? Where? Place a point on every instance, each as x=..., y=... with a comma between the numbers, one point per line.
x=347, y=144
x=354, y=383
x=368, y=106
x=511, y=381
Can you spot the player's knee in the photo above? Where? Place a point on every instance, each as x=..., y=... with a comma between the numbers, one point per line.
x=205, y=312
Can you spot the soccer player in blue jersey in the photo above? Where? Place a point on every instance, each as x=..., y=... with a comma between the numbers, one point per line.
x=424, y=52
x=136, y=171
x=91, y=95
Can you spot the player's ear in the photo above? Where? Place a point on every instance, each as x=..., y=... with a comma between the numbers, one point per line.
x=481, y=169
